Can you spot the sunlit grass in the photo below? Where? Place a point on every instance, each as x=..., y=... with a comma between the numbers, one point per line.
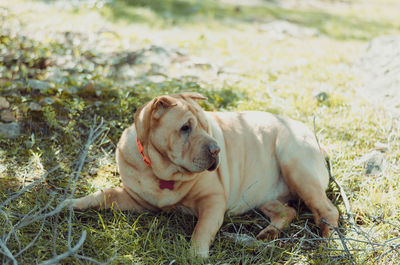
x=263, y=71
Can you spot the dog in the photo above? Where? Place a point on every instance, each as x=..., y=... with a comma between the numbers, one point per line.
x=176, y=155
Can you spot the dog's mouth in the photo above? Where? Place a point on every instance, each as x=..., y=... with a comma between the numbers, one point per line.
x=214, y=165
x=185, y=170
x=201, y=164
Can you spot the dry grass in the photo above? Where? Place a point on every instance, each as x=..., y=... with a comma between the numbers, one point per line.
x=244, y=64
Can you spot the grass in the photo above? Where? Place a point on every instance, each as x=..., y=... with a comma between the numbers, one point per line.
x=245, y=65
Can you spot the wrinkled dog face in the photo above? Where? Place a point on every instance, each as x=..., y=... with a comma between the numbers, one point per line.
x=180, y=134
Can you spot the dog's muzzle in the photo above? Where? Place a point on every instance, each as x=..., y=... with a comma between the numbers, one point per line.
x=213, y=151
x=207, y=159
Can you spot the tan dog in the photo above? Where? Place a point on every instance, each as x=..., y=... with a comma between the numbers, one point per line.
x=211, y=163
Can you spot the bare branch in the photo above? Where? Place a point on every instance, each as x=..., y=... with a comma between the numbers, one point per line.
x=40, y=214
x=33, y=240
x=28, y=187
x=70, y=251
x=7, y=252
x=392, y=248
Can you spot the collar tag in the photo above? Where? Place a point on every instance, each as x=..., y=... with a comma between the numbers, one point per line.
x=167, y=184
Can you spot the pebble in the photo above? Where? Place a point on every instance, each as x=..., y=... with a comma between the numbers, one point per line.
x=8, y=116
x=373, y=162
x=33, y=106
x=382, y=147
x=322, y=96
x=4, y=104
x=39, y=85
x=10, y=130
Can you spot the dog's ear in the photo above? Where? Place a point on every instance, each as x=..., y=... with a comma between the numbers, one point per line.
x=161, y=104
x=142, y=122
x=151, y=109
x=193, y=95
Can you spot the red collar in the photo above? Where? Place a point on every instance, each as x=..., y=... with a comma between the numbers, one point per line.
x=164, y=184
x=145, y=158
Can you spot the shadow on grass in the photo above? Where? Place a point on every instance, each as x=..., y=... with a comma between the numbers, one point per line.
x=179, y=12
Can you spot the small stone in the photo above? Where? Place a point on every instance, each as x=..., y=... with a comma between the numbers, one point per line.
x=4, y=104
x=39, y=85
x=279, y=29
x=33, y=106
x=8, y=116
x=10, y=130
x=373, y=162
x=322, y=96
x=93, y=171
x=156, y=78
x=382, y=147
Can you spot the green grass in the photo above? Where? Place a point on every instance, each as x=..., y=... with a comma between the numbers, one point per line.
x=171, y=12
x=256, y=70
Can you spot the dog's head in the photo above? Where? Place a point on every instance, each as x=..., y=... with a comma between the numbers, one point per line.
x=175, y=134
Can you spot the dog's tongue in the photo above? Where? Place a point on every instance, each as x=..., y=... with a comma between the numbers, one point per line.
x=167, y=184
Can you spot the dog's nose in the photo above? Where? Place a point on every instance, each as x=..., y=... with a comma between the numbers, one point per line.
x=213, y=149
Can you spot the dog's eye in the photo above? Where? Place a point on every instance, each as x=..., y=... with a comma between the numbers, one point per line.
x=185, y=129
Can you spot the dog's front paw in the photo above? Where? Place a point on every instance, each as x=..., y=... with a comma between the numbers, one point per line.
x=77, y=204
x=202, y=253
x=199, y=252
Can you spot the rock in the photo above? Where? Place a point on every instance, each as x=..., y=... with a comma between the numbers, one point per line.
x=10, y=130
x=373, y=162
x=93, y=171
x=48, y=100
x=382, y=147
x=33, y=106
x=280, y=29
x=4, y=104
x=156, y=78
x=322, y=96
x=7, y=115
x=379, y=67
x=39, y=85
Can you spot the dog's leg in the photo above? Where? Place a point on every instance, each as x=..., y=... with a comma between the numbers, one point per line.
x=210, y=212
x=280, y=216
x=107, y=198
x=306, y=175
x=325, y=213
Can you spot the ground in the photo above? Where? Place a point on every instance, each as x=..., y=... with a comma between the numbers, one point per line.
x=72, y=74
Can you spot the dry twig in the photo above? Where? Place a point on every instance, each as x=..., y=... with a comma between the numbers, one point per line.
x=41, y=214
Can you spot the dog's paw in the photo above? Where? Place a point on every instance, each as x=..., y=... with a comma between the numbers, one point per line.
x=200, y=253
x=77, y=204
x=270, y=232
